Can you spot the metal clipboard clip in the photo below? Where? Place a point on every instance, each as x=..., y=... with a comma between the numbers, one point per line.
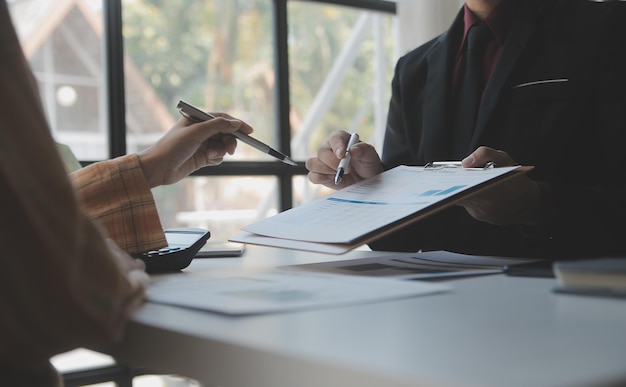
x=435, y=165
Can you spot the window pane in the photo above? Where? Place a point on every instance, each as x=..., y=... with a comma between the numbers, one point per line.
x=216, y=55
x=222, y=205
x=341, y=64
x=63, y=44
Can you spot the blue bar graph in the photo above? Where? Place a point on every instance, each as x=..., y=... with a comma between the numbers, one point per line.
x=439, y=192
x=449, y=190
x=430, y=192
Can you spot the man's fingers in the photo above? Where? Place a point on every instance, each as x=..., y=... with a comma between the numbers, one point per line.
x=483, y=155
x=320, y=178
x=316, y=165
x=338, y=141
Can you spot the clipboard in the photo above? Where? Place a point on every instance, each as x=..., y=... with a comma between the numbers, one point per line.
x=356, y=215
x=433, y=209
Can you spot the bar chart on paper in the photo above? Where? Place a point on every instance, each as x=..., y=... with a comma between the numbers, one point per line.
x=437, y=192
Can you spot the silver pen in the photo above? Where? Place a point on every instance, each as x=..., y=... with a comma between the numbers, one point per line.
x=343, y=164
x=198, y=115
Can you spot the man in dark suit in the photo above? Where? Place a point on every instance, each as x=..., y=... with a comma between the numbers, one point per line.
x=551, y=94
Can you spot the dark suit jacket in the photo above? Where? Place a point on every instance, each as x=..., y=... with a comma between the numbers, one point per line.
x=556, y=100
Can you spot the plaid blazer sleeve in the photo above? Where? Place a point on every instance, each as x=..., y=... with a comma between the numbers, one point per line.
x=115, y=194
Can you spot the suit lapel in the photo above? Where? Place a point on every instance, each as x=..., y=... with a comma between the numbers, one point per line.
x=435, y=144
x=519, y=35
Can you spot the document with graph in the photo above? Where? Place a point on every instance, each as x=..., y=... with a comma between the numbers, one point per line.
x=371, y=208
x=249, y=291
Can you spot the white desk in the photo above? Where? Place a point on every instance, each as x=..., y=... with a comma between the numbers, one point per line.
x=489, y=331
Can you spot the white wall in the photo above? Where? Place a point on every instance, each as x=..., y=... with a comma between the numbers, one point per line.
x=422, y=20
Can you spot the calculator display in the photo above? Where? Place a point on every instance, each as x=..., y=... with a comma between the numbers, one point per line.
x=181, y=239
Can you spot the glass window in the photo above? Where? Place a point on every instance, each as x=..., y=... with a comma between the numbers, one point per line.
x=63, y=44
x=222, y=205
x=216, y=55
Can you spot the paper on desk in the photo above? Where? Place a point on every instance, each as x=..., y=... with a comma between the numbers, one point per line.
x=277, y=290
x=346, y=216
x=256, y=239
x=423, y=265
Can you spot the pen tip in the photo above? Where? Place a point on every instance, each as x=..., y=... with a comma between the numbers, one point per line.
x=289, y=161
x=339, y=176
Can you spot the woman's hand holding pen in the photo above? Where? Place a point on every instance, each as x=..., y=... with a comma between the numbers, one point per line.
x=516, y=202
x=364, y=162
x=188, y=146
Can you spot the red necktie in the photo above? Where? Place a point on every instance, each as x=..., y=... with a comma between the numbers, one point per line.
x=470, y=89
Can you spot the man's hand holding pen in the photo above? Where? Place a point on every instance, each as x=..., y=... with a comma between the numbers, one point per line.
x=364, y=162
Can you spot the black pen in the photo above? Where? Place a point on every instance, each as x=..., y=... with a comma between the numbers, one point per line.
x=198, y=115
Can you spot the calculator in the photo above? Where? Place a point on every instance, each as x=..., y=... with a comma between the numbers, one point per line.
x=182, y=246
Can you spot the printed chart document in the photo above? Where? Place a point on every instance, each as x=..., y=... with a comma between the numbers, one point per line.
x=272, y=291
x=371, y=208
x=410, y=266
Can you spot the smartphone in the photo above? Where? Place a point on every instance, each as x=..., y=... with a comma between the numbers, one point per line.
x=182, y=246
x=221, y=250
